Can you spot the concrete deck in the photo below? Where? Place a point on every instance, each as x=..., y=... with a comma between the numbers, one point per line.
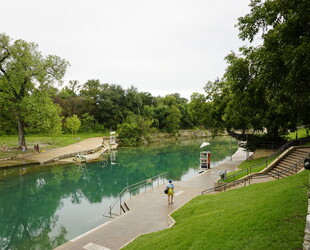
x=86, y=146
x=149, y=211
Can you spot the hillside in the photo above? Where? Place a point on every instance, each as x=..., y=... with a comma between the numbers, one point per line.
x=269, y=215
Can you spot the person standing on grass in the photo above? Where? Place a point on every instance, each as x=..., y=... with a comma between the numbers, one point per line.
x=170, y=188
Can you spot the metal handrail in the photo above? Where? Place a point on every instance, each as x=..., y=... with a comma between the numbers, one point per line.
x=249, y=169
x=280, y=173
x=248, y=178
x=138, y=185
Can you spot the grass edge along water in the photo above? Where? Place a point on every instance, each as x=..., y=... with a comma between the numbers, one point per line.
x=269, y=215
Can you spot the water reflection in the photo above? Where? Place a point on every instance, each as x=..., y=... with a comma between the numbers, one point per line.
x=42, y=207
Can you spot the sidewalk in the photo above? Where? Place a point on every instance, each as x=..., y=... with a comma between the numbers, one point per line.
x=86, y=146
x=149, y=211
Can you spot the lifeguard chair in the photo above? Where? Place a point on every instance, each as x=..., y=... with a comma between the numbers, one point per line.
x=205, y=159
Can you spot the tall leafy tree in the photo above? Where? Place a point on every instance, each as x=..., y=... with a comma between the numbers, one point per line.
x=106, y=102
x=172, y=120
x=73, y=123
x=23, y=70
x=69, y=100
x=133, y=129
x=134, y=101
x=283, y=59
x=197, y=109
x=267, y=86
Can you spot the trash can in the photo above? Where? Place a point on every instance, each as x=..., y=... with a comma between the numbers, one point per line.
x=307, y=163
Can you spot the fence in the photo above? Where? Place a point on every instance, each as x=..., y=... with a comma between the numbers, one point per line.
x=130, y=190
x=225, y=186
x=264, y=163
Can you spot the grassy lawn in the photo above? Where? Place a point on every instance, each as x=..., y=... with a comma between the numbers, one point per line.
x=45, y=142
x=269, y=215
x=302, y=133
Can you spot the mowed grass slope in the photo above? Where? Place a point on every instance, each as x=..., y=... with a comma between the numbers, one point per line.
x=269, y=215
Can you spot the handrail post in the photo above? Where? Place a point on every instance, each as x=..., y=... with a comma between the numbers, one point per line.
x=278, y=175
x=110, y=212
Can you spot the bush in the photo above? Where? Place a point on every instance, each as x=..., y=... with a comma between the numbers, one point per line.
x=133, y=130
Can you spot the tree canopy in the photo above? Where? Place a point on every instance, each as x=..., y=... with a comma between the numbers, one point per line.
x=23, y=73
x=268, y=86
x=265, y=87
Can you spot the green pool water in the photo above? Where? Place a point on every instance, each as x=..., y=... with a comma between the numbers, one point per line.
x=42, y=207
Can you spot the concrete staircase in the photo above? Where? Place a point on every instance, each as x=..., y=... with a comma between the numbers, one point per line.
x=289, y=163
x=285, y=165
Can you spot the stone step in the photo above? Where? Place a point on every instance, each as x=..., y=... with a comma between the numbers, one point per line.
x=301, y=152
x=289, y=161
x=282, y=175
x=280, y=170
x=285, y=166
x=295, y=157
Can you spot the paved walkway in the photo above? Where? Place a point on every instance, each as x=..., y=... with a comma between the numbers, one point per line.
x=86, y=146
x=149, y=211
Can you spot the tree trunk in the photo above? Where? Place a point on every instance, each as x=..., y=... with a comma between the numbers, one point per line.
x=21, y=132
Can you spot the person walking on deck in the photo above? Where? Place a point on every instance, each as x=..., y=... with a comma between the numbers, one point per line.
x=170, y=188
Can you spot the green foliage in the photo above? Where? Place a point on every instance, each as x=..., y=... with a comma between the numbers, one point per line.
x=267, y=86
x=269, y=215
x=73, y=123
x=89, y=124
x=42, y=116
x=300, y=133
x=133, y=130
x=67, y=98
x=198, y=109
x=23, y=70
x=172, y=120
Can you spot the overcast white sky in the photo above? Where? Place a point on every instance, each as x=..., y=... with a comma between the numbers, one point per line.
x=159, y=46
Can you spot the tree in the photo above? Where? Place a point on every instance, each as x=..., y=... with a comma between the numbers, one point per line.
x=197, y=109
x=217, y=98
x=134, y=129
x=69, y=100
x=133, y=101
x=172, y=120
x=22, y=71
x=73, y=123
x=267, y=87
x=41, y=115
x=106, y=102
x=283, y=62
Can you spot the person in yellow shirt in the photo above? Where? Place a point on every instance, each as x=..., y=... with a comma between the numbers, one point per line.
x=170, y=192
